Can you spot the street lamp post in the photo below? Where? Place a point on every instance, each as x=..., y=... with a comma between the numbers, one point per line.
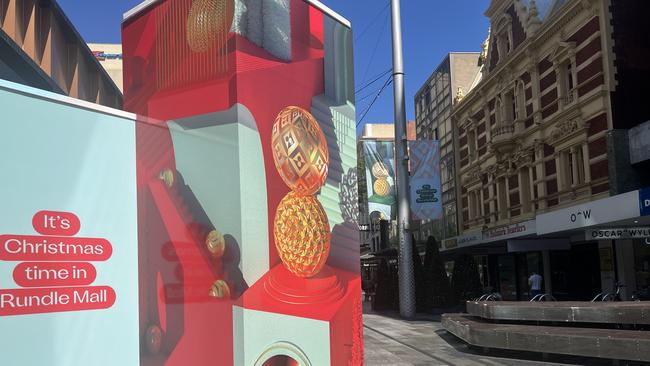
x=406, y=278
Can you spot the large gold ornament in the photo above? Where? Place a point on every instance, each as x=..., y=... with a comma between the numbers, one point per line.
x=208, y=23
x=302, y=234
x=381, y=187
x=300, y=150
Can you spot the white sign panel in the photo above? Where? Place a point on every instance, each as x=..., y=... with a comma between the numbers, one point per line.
x=469, y=239
x=68, y=233
x=618, y=233
x=621, y=207
x=510, y=231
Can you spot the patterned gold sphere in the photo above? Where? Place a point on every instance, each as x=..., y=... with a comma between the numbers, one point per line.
x=209, y=21
x=300, y=150
x=302, y=234
x=381, y=187
x=379, y=170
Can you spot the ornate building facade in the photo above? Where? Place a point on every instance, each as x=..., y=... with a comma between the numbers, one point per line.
x=542, y=146
x=532, y=134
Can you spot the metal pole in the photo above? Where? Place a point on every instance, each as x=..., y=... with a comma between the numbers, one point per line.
x=406, y=280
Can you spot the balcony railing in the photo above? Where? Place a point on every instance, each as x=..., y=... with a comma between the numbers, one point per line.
x=503, y=131
x=503, y=137
x=570, y=97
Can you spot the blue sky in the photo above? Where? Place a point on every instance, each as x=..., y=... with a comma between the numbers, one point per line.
x=431, y=29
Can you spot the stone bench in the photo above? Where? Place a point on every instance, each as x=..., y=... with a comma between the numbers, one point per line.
x=632, y=312
x=615, y=344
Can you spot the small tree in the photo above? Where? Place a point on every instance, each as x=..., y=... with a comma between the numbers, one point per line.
x=437, y=290
x=466, y=282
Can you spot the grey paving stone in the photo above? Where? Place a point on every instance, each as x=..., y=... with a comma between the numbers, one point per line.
x=396, y=342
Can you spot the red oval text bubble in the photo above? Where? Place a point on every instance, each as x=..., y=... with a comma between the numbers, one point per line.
x=56, y=223
x=53, y=300
x=51, y=274
x=53, y=248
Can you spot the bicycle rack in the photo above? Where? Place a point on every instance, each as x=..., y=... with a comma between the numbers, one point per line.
x=542, y=297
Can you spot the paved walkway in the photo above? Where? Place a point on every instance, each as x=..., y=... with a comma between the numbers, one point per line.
x=392, y=341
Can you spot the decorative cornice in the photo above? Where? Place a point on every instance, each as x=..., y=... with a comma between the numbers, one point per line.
x=526, y=48
x=565, y=129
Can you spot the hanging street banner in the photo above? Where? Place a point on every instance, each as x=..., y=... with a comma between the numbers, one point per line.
x=380, y=177
x=426, y=200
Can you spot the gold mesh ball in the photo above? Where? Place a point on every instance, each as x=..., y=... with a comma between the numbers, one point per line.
x=302, y=234
x=209, y=21
x=300, y=150
x=381, y=187
x=379, y=170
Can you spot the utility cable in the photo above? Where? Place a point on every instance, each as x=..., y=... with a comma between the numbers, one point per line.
x=376, y=78
x=361, y=34
x=374, y=51
x=365, y=113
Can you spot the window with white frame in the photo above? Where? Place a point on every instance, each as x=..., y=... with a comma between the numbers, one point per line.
x=472, y=143
x=520, y=101
x=567, y=82
x=573, y=168
x=504, y=37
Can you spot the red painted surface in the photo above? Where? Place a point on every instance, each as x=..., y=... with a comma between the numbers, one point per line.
x=56, y=223
x=55, y=300
x=53, y=274
x=176, y=270
x=53, y=248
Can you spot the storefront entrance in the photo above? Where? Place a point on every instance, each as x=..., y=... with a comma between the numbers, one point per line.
x=575, y=273
x=514, y=271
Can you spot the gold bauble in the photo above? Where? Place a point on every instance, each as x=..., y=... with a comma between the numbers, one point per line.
x=153, y=339
x=302, y=234
x=381, y=187
x=209, y=21
x=379, y=170
x=215, y=243
x=167, y=176
x=300, y=150
x=220, y=289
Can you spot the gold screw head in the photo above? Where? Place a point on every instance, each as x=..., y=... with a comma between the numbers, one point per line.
x=220, y=289
x=167, y=176
x=153, y=337
x=215, y=243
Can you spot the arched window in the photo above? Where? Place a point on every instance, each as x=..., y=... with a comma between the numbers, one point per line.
x=520, y=101
x=498, y=111
x=503, y=36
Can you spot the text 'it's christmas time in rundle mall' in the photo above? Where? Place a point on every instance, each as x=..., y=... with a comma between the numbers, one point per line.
x=54, y=272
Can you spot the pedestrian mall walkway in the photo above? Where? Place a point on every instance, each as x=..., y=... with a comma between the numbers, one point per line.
x=390, y=340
